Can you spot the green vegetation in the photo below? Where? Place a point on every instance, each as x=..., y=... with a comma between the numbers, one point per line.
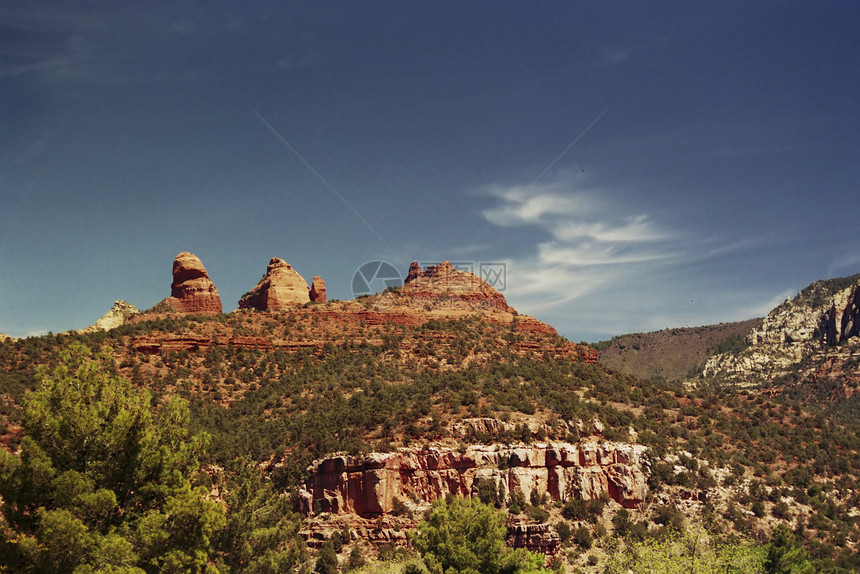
x=467, y=536
x=105, y=482
x=691, y=551
x=119, y=453
x=733, y=344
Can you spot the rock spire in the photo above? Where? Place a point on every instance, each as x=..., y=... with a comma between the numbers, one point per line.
x=192, y=291
x=317, y=293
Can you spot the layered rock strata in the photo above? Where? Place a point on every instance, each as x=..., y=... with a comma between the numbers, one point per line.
x=192, y=291
x=369, y=485
x=534, y=537
x=444, y=285
x=280, y=288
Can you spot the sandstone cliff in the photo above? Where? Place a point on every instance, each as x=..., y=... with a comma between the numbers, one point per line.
x=370, y=485
x=192, y=291
x=817, y=326
x=280, y=288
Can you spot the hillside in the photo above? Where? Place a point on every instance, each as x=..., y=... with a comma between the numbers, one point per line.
x=361, y=414
x=808, y=348
x=671, y=354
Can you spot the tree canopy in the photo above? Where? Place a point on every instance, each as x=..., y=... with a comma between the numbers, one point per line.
x=105, y=482
x=466, y=536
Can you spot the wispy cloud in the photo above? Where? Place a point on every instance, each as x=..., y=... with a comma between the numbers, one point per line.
x=534, y=205
x=633, y=229
x=601, y=269
x=58, y=44
x=591, y=242
x=585, y=229
x=588, y=246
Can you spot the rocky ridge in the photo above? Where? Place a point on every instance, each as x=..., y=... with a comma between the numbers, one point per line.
x=441, y=293
x=819, y=325
x=349, y=322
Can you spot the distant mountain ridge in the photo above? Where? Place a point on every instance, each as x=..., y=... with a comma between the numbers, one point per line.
x=671, y=355
x=812, y=336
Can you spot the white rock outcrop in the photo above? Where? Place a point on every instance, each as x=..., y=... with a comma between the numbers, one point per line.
x=819, y=321
x=115, y=317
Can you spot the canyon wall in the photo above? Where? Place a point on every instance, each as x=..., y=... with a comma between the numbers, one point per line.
x=370, y=485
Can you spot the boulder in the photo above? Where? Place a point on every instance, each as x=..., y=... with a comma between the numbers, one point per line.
x=192, y=291
x=280, y=288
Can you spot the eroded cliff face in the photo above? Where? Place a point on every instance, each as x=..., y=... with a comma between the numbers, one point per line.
x=818, y=325
x=371, y=485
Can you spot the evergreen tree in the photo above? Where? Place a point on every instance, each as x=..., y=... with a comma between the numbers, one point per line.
x=327, y=561
x=103, y=483
x=785, y=556
x=467, y=536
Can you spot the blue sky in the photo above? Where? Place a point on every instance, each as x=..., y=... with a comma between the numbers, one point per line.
x=635, y=165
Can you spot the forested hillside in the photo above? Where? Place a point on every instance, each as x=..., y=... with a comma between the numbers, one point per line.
x=231, y=427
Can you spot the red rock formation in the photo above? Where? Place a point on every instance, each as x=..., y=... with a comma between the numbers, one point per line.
x=368, y=485
x=444, y=286
x=540, y=538
x=280, y=288
x=414, y=272
x=192, y=291
x=318, y=290
x=338, y=322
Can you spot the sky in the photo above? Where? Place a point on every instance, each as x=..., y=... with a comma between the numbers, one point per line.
x=631, y=166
